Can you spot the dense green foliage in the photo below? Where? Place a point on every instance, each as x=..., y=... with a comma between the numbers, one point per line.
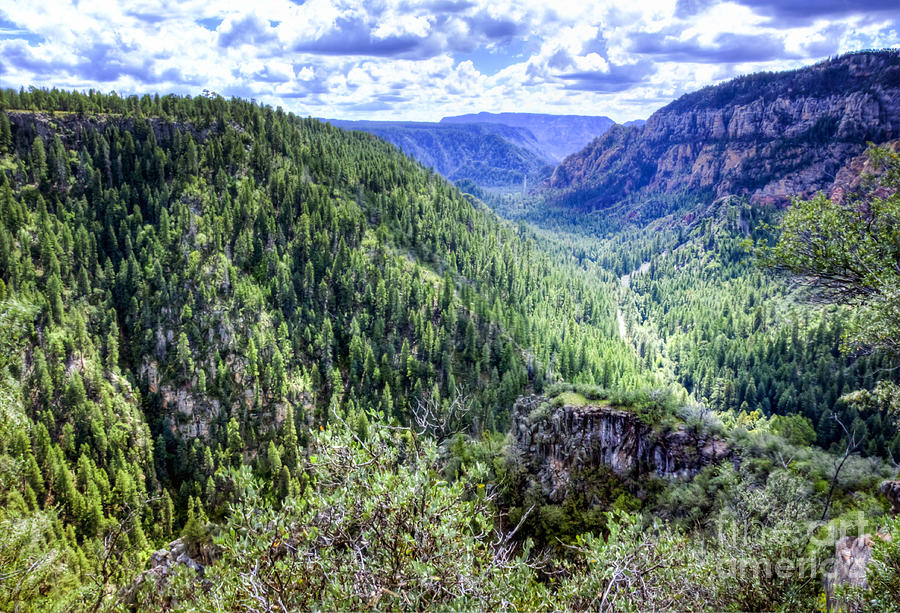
x=297, y=349
x=379, y=527
x=740, y=341
x=204, y=281
x=849, y=252
x=698, y=308
x=882, y=574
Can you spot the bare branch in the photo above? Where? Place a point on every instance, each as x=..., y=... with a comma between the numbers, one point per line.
x=441, y=421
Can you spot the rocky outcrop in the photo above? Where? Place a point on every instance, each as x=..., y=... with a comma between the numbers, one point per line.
x=167, y=561
x=557, y=442
x=71, y=127
x=194, y=556
x=891, y=491
x=767, y=136
x=851, y=557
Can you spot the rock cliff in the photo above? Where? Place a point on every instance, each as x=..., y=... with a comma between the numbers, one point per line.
x=556, y=442
x=767, y=136
x=166, y=562
x=891, y=491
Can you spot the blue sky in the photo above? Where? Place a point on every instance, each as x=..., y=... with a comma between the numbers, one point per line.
x=404, y=59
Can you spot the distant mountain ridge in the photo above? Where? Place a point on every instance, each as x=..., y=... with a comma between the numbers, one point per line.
x=766, y=136
x=490, y=155
x=493, y=150
x=559, y=135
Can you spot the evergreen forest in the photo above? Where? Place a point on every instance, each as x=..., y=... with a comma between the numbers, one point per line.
x=254, y=362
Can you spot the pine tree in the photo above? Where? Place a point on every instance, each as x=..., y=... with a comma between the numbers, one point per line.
x=38, y=160
x=33, y=476
x=273, y=461
x=112, y=351
x=167, y=512
x=5, y=134
x=185, y=356
x=195, y=531
x=387, y=401
x=235, y=443
x=278, y=374
x=283, y=486
x=160, y=458
x=54, y=296
x=289, y=439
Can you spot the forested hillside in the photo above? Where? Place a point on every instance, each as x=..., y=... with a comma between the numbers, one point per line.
x=190, y=285
x=739, y=339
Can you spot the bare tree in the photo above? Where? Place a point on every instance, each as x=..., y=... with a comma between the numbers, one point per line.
x=853, y=443
x=110, y=557
x=441, y=421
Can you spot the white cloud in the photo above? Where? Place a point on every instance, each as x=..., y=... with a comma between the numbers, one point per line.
x=402, y=24
x=421, y=60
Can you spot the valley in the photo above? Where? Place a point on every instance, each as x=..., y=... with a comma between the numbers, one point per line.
x=252, y=361
x=501, y=153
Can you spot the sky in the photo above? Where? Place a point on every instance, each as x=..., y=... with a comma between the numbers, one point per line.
x=403, y=59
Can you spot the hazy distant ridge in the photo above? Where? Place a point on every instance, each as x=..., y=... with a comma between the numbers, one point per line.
x=490, y=155
x=559, y=135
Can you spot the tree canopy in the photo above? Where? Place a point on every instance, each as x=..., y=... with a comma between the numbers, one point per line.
x=848, y=251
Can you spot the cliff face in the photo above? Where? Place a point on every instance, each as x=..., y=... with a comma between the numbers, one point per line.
x=767, y=136
x=556, y=442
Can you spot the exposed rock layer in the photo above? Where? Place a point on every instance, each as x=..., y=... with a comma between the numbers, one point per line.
x=767, y=136
x=556, y=442
x=891, y=491
x=489, y=155
x=557, y=135
x=165, y=562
